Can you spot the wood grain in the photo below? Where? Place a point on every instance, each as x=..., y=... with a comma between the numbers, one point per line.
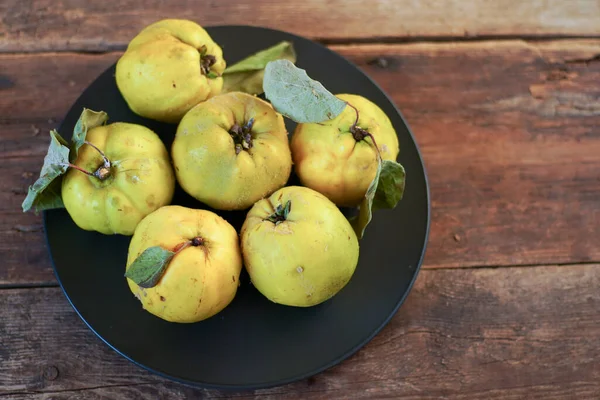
x=510, y=135
x=44, y=25
x=508, y=129
x=23, y=251
x=507, y=333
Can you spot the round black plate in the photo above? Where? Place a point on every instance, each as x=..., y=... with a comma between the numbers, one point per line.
x=253, y=343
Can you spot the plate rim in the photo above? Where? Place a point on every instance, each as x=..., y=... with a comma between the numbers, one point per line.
x=342, y=357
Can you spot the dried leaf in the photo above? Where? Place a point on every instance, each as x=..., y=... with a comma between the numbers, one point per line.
x=147, y=269
x=294, y=94
x=89, y=119
x=247, y=75
x=44, y=194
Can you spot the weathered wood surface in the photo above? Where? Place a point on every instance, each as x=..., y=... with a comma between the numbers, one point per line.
x=45, y=25
x=509, y=131
x=505, y=333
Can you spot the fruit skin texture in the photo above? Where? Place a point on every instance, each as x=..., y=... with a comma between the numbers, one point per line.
x=141, y=179
x=204, y=155
x=302, y=261
x=199, y=281
x=159, y=74
x=328, y=159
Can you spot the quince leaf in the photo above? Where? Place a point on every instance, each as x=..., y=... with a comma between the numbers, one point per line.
x=147, y=269
x=385, y=191
x=294, y=94
x=365, y=212
x=390, y=188
x=89, y=119
x=44, y=194
x=247, y=75
x=258, y=61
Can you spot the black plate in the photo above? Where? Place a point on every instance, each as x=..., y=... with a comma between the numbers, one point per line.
x=253, y=343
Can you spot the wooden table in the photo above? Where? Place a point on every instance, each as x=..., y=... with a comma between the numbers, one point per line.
x=504, y=100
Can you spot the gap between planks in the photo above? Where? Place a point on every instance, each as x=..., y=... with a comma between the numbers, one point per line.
x=41, y=285
x=120, y=47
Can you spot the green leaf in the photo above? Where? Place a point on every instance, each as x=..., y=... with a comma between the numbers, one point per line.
x=89, y=119
x=280, y=214
x=44, y=194
x=365, y=213
x=385, y=191
x=287, y=209
x=390, y=188
x=50, y=198
x=147, y=269
x=247, y=75
x=294, y=94
x=258, y=61
x=212, y=75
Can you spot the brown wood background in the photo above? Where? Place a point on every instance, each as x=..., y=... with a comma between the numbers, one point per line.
x=504, y=100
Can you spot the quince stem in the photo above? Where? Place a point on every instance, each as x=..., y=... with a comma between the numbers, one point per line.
x=360, y=133
x=78, y=169
x=197, y=241
x=103, y=171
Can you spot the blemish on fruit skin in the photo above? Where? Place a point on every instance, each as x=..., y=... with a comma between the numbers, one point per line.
x=233, y=278
x=162, y=298
x=300, y=269
x=150, y=201
x=134, y=178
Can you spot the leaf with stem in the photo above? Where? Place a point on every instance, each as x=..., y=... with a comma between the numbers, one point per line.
x=88, y=120
x=147, y=269
x=247, y=75
x=44, y=194
x=294, y=94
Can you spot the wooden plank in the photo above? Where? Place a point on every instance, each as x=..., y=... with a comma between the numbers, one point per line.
x=509, y=133
x=43, y=25
x=34, y=94
x=507, y=333
x=23, y=251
